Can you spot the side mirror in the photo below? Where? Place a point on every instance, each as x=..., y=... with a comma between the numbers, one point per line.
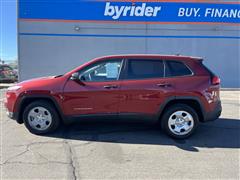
x=75, y=77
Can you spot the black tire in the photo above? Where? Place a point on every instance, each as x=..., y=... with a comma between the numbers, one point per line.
x=172, y=109
x=53, y=113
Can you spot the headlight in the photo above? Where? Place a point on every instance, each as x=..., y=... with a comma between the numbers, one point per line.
x=14, y=88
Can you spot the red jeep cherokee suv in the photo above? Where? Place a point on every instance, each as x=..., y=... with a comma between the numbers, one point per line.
x=178, y=91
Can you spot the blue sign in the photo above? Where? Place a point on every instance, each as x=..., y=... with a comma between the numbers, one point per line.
x=139, y=12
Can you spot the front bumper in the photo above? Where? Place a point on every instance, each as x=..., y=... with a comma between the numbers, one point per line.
x=9, y=114
x=13, y=116
x=215, y=114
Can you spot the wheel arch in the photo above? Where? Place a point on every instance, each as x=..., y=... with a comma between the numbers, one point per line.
x=191, y=101
x=27, y=99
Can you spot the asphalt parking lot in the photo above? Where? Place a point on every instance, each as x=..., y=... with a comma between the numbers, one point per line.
x=124, y=150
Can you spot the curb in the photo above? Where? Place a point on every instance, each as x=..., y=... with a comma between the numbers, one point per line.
x=230, y=89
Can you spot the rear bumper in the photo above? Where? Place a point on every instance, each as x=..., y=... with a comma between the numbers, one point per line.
x=215, y=114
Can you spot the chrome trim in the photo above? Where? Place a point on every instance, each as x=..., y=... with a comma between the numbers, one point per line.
x=82, y=108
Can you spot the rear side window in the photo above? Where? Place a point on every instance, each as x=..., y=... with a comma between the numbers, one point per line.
x=142, y=69
x=174, y=68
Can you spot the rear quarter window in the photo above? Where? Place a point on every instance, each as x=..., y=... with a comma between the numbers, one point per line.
x=174, y=68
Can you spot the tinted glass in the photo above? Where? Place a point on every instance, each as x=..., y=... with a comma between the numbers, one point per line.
x=174, y=68
x=103, y=71
x=141, y=69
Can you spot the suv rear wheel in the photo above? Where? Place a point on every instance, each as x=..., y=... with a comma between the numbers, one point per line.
x=179, y=121
x=40, y=117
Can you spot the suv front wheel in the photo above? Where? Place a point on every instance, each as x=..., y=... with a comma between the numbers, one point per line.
x=40, y=117
x=179, y=121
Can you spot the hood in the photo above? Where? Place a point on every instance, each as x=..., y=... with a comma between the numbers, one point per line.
x=43, y=83
x=35, y=80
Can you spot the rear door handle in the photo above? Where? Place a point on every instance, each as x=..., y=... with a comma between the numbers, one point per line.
x=107, y=87
x=164, y=85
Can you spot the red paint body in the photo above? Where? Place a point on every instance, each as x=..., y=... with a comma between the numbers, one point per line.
x=131, y=96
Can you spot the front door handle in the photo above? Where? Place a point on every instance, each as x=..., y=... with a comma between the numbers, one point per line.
x=110, y=86
x=164, y=85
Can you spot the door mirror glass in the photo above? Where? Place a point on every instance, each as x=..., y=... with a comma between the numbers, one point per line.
x=75, y=76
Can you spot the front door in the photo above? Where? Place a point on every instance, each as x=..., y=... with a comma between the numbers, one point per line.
x=100, y=93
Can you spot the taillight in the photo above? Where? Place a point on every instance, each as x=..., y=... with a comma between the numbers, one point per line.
x=215, y=80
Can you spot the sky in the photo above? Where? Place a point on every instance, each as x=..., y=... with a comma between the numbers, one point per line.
x=8, y=30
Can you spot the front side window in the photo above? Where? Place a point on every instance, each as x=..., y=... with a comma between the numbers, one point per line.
x=103, y=71
x=145, y=68
x=174, y=68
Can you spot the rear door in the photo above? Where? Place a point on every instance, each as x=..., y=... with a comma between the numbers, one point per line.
x=182, y=78
x=143, y=88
